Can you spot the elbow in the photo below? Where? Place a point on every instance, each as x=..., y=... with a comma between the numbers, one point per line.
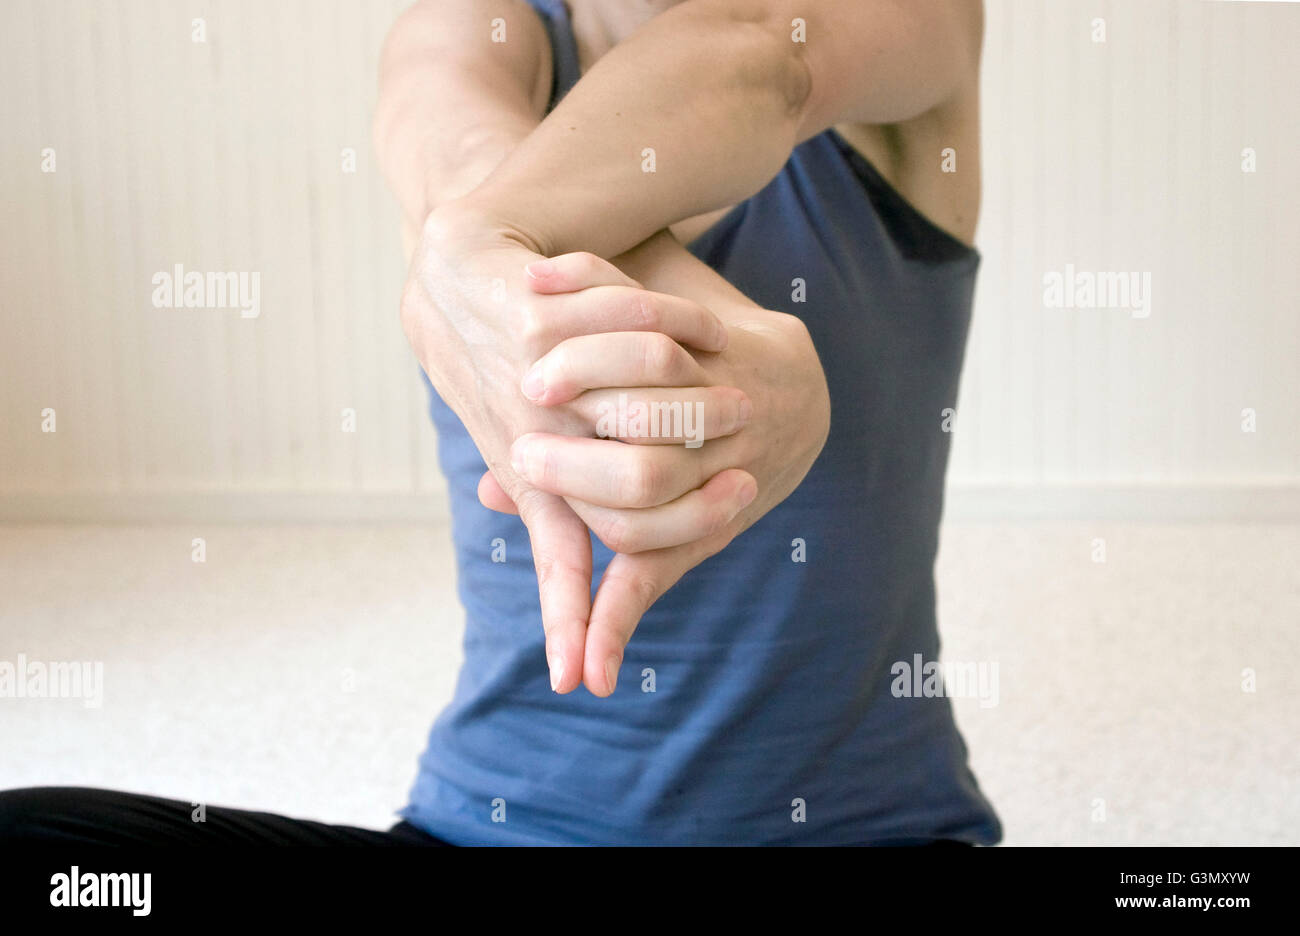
x=784, y=64
x=767, y=47
x=795, y=77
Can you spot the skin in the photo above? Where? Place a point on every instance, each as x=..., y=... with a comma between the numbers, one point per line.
x=540, y=249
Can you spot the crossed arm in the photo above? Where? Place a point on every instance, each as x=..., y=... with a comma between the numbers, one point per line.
x=525, y=351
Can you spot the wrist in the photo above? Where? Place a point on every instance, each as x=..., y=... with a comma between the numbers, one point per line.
x=473, y=221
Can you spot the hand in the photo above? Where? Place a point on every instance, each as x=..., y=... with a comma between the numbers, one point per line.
x=666, y=508
x=477, y=327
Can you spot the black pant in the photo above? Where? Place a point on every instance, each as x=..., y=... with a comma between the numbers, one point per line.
x=86, y=816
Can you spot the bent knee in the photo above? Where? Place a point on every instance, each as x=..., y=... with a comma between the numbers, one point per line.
x=40, y=814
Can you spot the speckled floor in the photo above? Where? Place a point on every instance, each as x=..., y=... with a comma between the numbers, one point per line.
x=298, y=668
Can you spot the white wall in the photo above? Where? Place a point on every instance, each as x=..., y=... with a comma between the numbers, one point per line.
x=226, y=155
x=1127, y=156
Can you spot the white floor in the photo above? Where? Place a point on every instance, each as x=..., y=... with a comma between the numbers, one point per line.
x=298, y=668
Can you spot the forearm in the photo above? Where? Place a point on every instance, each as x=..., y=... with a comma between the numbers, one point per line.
x=452, y=104
x=442, y=125
x=695, y=111
x=701, y=107
x=662, y=264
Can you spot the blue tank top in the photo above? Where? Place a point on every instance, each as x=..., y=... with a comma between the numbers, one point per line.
x=756, y=702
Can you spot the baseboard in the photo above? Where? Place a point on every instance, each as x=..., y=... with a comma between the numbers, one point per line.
x=1153, y=503
x=1175, y=503
x=243, y=507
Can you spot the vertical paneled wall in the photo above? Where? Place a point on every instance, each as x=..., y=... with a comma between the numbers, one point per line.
x=233, y=154
x=1126, y=155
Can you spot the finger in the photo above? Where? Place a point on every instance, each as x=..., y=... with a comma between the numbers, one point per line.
x=695, y=515
x=614, y=359
x=602, y=309
x=573, y=271
x=610, y=474
x=492, y=496
x=562, y=556
x=665, y=416
x=630, y=586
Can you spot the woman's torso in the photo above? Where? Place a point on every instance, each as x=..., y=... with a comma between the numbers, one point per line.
x=760, y=701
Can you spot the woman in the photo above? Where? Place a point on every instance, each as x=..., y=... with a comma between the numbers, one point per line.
x=757, y=705
x=756, y=591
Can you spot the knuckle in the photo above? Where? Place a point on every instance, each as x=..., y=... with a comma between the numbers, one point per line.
x=643, y=482
x=528, y=500
x=659, y=354
x=586, y=262
x=793, y=325
x=437, y=227
x=447, y=223
x=645, y=588
x=707, y=323
x=618, y=533
x=545, y=566
x=550, y=567
x=533, y=327
x=646, y=314
x=716, y=519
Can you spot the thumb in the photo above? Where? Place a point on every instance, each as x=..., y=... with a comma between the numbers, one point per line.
x=493, y=496
x=573, y=271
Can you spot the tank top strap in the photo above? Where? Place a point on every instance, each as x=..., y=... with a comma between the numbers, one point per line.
x=565, y=68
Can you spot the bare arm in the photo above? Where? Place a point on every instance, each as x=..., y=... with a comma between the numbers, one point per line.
x=722, y=92
x=452, y=103
x=713, y=95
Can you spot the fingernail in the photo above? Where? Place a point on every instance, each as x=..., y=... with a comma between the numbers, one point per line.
x=723, y=338
x=746, y=411
x=748, y=494
x=611, y=672
x=534, y=386
x=557, y=673
x=539, y=268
